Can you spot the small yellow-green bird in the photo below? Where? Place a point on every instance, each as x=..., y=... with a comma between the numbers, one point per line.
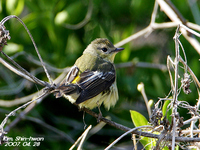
x=92, y=79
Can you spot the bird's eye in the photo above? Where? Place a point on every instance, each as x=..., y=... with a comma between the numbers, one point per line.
x=104, y=49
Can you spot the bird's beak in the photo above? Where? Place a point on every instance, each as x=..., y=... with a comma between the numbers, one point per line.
x=118, y=49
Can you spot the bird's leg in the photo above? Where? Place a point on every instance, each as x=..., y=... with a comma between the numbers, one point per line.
x=100, y=114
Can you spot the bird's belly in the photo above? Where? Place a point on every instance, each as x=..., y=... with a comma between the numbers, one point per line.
x=109, y=99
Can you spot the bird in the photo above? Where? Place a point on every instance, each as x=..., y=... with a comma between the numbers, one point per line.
x=91, y=81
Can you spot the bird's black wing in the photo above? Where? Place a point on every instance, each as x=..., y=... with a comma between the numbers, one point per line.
x=70, y=76
x=92, y=83
x=65, y=87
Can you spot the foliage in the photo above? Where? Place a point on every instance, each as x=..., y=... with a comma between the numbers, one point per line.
x=60, y=42
x=139, y=120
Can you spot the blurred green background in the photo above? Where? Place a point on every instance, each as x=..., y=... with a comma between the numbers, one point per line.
x=60, y=42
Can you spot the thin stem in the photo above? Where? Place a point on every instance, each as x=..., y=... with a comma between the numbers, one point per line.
x=12, y=113
x=49, y=127
x=128, y=132
x=35, y=46
x=175, y=91
x=81, y=138
x=36, y=80
x=141, y=89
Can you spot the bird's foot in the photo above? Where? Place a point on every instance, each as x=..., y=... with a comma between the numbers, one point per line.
x=100, y=115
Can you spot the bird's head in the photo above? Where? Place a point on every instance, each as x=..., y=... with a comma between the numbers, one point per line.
x=103, y=48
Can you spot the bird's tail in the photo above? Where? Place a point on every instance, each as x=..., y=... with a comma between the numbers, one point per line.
x=66, y=89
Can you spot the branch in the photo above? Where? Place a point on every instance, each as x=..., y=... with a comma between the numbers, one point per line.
x=35, y=46
x=20, y=73
x=141, y=65
x=128, y=132
x=22, y=100
x=176, y=17
x=12, y=113
x=140, y=133
x=175, y=90
x=42, y=123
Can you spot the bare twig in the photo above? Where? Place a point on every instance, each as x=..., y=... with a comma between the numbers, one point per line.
x=191, y=72
x=35, y=46
x=176, y=17
x=175, y=91
x=146, y=134
x=37, y=62
x=193, y=26
x=42, y=123
x=141, y=89
x=24, y=72
x=142, y=65
x=81, y=138
x=15, y=70
x=13, y=88
x=152, y=26
x=126, y=133
x=17, y=101
x=22, y=115
x=191, y=119
x=12, y=113
x=190, y=30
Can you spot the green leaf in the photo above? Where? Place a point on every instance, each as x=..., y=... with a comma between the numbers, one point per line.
x=12, y=48
x=73, y=14
x=177, y=147
x=166, y=111
x=14, y=7
x=138, y=119
x=165, y=148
